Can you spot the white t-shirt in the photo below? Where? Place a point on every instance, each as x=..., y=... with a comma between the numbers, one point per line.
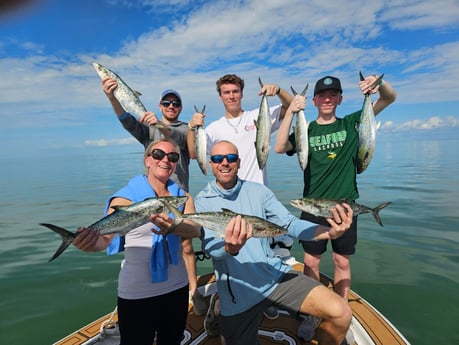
x=243, y=133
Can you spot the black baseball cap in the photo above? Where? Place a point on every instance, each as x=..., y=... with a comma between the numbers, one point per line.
x=327, y=83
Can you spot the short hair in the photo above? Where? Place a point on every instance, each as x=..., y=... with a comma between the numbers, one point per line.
x=230, y=79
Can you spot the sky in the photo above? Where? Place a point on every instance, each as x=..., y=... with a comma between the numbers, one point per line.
x=52, y=98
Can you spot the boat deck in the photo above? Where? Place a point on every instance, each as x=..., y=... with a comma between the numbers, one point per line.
x=368, y=325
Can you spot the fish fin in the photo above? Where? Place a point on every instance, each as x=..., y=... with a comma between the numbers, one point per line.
x=303, y=93
x=196, y=110
x=137, y=93
x=229, y=211
x=260, y=82
x=377, y=81
x=67, y=238
x=376, y=210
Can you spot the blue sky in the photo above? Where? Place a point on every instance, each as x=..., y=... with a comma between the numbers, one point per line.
x=52, y=99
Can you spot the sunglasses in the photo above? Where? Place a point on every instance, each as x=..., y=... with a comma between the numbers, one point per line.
x=175, y=104
x=159, y=154
x=231, y=158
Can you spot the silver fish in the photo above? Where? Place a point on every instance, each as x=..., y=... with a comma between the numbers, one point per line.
x=217, y=221
x=200, y=144
x=301, y=134
x=123, y=220
x=263, y=125
x=321, y=207
x=128, y=98
x=367, y=131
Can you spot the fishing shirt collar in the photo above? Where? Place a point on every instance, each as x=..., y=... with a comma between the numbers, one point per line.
x=230, y=194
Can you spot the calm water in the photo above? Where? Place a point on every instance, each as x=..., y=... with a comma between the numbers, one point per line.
x=408, y=269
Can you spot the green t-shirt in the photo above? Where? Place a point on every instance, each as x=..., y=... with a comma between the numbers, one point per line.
x=331, y=171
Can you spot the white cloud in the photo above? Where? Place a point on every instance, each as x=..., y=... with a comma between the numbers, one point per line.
x=435, y=122
x=110, y=142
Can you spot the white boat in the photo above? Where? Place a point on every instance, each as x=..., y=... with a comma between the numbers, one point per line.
x=368, y=325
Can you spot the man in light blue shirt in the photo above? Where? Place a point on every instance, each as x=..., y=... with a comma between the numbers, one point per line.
x=249, y=276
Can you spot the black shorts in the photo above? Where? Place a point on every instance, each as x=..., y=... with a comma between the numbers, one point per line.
x=344, y=245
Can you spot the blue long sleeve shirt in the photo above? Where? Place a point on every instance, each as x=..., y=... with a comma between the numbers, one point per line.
x=249, y=277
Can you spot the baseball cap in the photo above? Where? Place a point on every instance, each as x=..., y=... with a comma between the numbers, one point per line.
x=170, y=92
x=327, y=83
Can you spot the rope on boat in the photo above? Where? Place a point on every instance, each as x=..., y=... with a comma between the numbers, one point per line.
x=108, y=324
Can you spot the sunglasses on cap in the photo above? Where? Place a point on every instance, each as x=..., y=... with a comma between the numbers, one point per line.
x=175, y=104
x=230, y=158
x=159, y=154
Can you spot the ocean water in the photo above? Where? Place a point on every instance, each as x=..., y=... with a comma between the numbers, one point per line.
x=407, y=269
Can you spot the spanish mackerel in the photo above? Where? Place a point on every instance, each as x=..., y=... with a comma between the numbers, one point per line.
x=217, y=221
x=200, y=144
x=128, y=98
x=321, y=207
x=367, y=130
x=301, y=133
x=123, y=220
x=263, y=125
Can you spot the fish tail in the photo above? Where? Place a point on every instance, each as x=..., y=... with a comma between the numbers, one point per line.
x=375, y=212
x=67, y=238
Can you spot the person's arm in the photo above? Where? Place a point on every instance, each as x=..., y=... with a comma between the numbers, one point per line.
x=108, y=86
x=282, y=143
x=387, y=94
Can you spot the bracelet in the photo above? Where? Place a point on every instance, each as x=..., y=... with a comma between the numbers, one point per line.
x=278, y=90
x=192, y=128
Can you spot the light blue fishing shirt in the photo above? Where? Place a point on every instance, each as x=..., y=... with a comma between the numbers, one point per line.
x=251, y=276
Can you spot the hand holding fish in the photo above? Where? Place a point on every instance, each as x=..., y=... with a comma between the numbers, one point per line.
x=238, y=231
x=163, y=222
x=298, y=103
x=270, y=90
x=370, y=84
x=341, y=220
x=149, y=118
x=86, y=240
x=197, y=120
x=108, y=86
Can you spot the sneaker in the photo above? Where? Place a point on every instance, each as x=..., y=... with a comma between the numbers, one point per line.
x=349, y=339
x=211, y=320
x=308, y=327
x=199, y=305
x=271, y=313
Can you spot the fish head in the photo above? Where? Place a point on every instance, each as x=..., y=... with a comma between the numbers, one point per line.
x=101, y=70
x=296, y=202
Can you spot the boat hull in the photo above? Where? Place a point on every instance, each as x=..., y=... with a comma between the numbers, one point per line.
x=368, y=325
